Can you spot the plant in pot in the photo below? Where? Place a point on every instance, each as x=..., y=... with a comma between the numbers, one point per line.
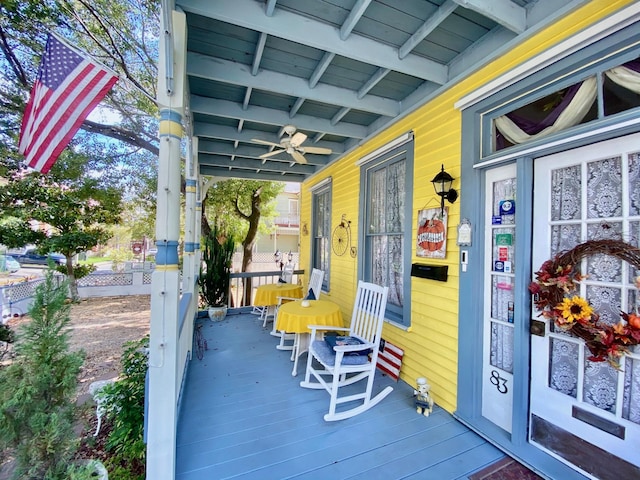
x=215, y=272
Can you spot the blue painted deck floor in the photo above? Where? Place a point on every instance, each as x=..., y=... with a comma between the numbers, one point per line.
x=244, y=415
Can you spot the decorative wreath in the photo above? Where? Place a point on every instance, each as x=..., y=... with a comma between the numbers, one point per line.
x=554, y=288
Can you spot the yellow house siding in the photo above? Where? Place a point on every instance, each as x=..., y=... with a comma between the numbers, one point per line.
x=431, y=343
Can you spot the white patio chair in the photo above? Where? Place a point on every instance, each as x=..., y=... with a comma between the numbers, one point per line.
x=287, y=273
x=313, y=293
x=341, y=365
x=271, y=311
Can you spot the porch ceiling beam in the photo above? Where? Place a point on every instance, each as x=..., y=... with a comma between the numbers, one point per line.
x=210, y=130
x=427, y=27
x=228, y=109
x=234, y=73
x=354, y=17
x=504, y=12
x=250, y=174
x=251, y=164
x=303, y=30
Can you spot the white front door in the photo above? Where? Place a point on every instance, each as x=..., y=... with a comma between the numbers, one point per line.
x=497, y=369
x=588, y=193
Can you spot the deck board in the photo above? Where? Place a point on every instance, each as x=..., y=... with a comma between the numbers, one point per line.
x=243, y=415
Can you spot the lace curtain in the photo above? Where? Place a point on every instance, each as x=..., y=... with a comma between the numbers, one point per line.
x=610, y=287
x=569, y=112
x=386, y=220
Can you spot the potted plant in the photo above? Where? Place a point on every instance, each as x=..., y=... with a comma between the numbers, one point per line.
x=215, y=272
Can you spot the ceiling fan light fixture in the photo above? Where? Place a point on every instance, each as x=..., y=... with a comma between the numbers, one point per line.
x=289, y=129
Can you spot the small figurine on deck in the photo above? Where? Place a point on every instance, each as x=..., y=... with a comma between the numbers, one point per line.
x=424, y=402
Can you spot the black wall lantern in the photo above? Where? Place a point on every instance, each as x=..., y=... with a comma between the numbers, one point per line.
x=442, y=185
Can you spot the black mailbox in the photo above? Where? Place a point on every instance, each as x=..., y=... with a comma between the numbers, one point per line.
x=432, y=272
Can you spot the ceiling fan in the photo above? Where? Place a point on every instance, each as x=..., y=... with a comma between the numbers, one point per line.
x=292, y=144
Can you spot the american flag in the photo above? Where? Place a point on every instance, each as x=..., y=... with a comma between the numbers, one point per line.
x=67, y=88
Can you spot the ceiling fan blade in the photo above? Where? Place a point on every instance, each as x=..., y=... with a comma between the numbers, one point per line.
x=317, y=150
x=271, y=154
x=298, y=139
x=264, y=142
x=298, y=157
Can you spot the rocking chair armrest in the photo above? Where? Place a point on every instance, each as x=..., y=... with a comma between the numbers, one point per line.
x=353, y=348
x=315, y=328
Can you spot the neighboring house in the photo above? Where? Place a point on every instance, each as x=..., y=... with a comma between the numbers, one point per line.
x=285, y=227
x=525, y=197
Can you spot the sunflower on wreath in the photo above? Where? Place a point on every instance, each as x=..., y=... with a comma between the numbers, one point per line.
x=553, y=291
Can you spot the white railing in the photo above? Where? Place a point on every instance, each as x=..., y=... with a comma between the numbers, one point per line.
x=15, y=299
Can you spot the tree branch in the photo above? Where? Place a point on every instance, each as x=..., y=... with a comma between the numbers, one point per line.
x=119, y=133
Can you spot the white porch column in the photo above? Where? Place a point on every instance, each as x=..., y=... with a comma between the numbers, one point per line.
x=190, y=268
x=164, y=352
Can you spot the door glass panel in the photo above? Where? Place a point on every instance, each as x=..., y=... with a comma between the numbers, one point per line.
x=604, y=188
x=563, y=237
x=563, y=367
x=634, y=180
x=502, y=298
x=600, y=385
x=502, y=346
x=630, y=409
x=566, y=188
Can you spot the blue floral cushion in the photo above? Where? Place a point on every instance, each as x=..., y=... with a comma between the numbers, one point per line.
x=326, y=354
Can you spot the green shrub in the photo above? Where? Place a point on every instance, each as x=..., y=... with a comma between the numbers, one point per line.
x=124, y=406
x=37, y=394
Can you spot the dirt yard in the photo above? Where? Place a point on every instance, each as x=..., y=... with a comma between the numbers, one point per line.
x=101, y=326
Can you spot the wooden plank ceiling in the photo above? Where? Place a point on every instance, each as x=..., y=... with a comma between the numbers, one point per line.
x=337, y=71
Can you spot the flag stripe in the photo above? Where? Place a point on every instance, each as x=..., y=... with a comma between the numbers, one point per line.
x=390, y=360
x=57, y=105
x=70, y=111
x=68, y=87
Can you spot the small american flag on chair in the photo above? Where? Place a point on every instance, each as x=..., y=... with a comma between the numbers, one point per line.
x=67, y=88
x=390, y=359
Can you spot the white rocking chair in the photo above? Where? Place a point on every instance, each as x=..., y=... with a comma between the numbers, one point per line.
x=341, y=364
x=315, y=287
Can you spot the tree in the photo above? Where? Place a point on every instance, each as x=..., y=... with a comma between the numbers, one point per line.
x=67, y=210
x=121, y=136
x=121, y=34
x=246, y=200
x=37, y=398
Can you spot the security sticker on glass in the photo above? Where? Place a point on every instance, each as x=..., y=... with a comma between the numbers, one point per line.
x=507, y=207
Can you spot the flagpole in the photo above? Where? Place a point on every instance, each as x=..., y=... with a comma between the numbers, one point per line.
x=110, y=70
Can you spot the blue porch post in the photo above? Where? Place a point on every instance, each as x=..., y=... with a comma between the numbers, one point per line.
x=165, y=355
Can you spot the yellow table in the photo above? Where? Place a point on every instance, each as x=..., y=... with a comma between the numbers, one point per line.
x=267, y=296
x=294, y=318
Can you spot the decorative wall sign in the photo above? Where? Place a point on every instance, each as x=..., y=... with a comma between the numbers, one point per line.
x=464, y=233
x=432, y=233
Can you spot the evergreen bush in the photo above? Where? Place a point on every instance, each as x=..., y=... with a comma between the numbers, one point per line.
x=37, y=393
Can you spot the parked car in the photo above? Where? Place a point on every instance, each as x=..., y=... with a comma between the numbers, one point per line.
x=31, y=257
x=8, y=264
